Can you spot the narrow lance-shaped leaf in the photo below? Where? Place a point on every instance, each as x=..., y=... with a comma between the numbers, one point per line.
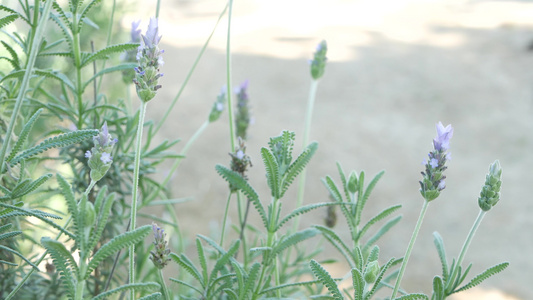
x=61, y=140
x=272, y=172
x=8, y=19
x=298, y=166
x=326, y=279
x=61, y=259
x=438, y=288
x=119, y=242
x=481, y=277
x=439, y=243
x=236, y=180
x=142, y=287
x=103, y=53
x=382, y=215
x=358, y=284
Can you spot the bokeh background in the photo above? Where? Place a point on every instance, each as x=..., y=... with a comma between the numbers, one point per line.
x=395, y=69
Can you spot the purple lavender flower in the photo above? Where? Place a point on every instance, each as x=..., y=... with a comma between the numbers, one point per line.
x=160, y=255
x=242, y=116
x=433, y=179
x=135, y=31
x=99, y=157
x=149, y=58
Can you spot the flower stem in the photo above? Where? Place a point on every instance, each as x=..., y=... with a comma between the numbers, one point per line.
x=307, y=130
x=175, y=100
x=228, y=78
x=466, y=244
x=409, y=249
x=34, y=49
x=224, y=222
x=134, y=194
x=164, y=288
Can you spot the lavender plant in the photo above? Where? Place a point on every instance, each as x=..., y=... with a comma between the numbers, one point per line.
x=108, y=179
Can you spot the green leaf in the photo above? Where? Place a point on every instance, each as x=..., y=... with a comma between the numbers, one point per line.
x=8, y=19
x=72, y=205
x=358, y=284
x=61, y=140
x=102, y=54
x=249, y=284
x=154, y=296
x=5, y=227
x=336, y=241
x=14, y=61
x=384, y=229
x=10, y=234
x=272, y=172
x=236, y=180
x=379, y=278
x=63, y=263
x=203, y=261
x=439, y=243
x=298, y=166
x=186, y=264
x=83, y=15
x=41, y=215
x=286, y=285
x=102, y=220
x=23, y=136
x=121, y=67
x=343, y=180
x=143, y=287
x=413, y=297
x=303, y=210
x=374, y=254
x=292, y=240
x=186, y=284
x=62, y=78
x=481, y=277
x=326, y=279
x=222, y=261
x=438, y=289
x=19, y=255
x=382, y=215
x=368, y=191
x=29, y=187
x=119, y=242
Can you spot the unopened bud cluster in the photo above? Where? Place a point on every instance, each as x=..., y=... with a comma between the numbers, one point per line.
x=240, y=161
x=149, y=58
x=433, y=179
x=318, y=64
x=218, y=106
x=242, y=117
x=99, y=156
x=490, y=192
x=160, y=255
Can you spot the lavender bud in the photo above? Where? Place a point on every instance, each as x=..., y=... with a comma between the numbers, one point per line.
x=160, y=255
x=490, y=192
x=318, y=64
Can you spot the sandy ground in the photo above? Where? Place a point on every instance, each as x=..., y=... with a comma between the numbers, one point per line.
x=395, y=69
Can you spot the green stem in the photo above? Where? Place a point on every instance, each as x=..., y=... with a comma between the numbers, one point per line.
x=134, y=194
x=175, y=100
x=466, y=245
x=307, y=130
x=80, y=286
x=225, y=220
x=108, y=41
x=34, y=49
x=164, y=288
x=157, y=8
x=228, y=77
x=409, y=249
x=77, y=64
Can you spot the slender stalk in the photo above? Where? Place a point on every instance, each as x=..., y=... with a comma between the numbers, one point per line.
x=157, y=8
x=465, y=247
x=175, y=100
x=80, y=286
x=228, y=77
x=135, y=194
x=164, y=288
x=224, y=222
x=409, y=249
x=34, y=49
x=307, y=130
x=108, y=40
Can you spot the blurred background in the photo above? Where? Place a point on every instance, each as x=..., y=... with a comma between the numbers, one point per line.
x=395, y=68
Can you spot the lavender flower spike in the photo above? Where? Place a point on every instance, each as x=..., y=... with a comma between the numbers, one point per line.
x=149, y=58
x=444, y=134
x=433, y=179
